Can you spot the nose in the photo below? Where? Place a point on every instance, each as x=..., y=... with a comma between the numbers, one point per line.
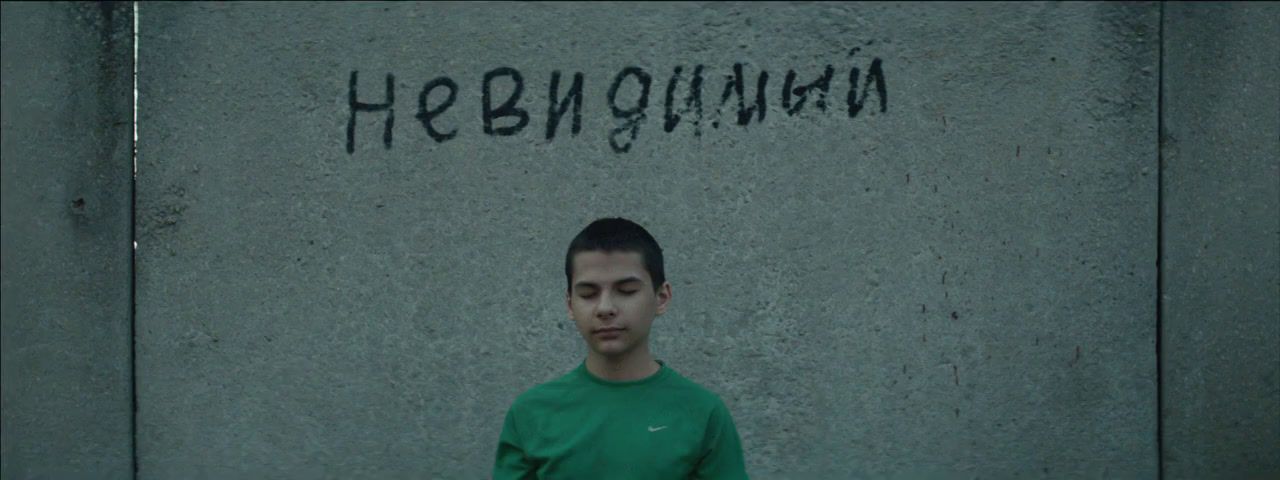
x=606, y=308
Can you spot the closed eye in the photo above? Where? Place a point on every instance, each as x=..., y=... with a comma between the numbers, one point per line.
x=592, y=294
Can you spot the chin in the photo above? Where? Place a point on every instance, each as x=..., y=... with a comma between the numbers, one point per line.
x=613, y=351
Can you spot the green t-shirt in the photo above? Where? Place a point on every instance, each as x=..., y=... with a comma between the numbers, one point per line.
x=580, y=427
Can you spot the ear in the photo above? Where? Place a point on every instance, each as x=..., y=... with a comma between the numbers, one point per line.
x=664, y=297
x=568, y=303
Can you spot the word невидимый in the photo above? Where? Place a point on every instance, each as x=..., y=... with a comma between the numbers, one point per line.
x=629, y=117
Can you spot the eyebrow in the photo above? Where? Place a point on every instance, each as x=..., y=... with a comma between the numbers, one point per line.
x=619, y=282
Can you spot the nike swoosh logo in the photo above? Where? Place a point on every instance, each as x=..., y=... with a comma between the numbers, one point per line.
x=651, y=429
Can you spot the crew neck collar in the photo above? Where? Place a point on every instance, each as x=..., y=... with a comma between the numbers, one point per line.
x=656, y=376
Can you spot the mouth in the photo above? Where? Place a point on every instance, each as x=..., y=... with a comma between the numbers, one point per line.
x=606, y=332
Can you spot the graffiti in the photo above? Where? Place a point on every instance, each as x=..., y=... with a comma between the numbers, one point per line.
x=682, y=101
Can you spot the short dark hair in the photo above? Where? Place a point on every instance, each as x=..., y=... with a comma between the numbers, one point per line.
x=617, y=235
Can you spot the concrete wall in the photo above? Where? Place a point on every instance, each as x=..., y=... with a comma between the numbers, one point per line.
x=958, y=282
x=351, y=220
x=1220, y=343
x=65, y=223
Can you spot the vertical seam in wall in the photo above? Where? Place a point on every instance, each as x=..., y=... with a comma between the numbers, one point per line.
x=1160, y=249
x=133, y=253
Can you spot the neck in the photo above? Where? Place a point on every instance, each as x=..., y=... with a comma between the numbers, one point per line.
x=636, y=366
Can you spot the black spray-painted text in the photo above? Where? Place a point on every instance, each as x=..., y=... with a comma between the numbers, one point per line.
x=682, y=101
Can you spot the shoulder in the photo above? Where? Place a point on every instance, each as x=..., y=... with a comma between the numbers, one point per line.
x=691, y=390
x=548, y=391
x=682, y=393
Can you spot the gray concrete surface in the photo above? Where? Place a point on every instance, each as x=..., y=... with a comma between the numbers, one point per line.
x=947, y=270
x=960, y=284
x=65, y=249
x=1220, y=339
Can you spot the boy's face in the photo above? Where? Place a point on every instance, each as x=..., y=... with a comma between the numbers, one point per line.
x=613, y=290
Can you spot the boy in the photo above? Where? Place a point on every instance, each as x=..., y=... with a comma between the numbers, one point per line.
x=621, y=414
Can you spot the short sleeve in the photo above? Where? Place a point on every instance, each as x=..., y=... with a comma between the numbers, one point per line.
x=510, y=462
x=722, y=453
